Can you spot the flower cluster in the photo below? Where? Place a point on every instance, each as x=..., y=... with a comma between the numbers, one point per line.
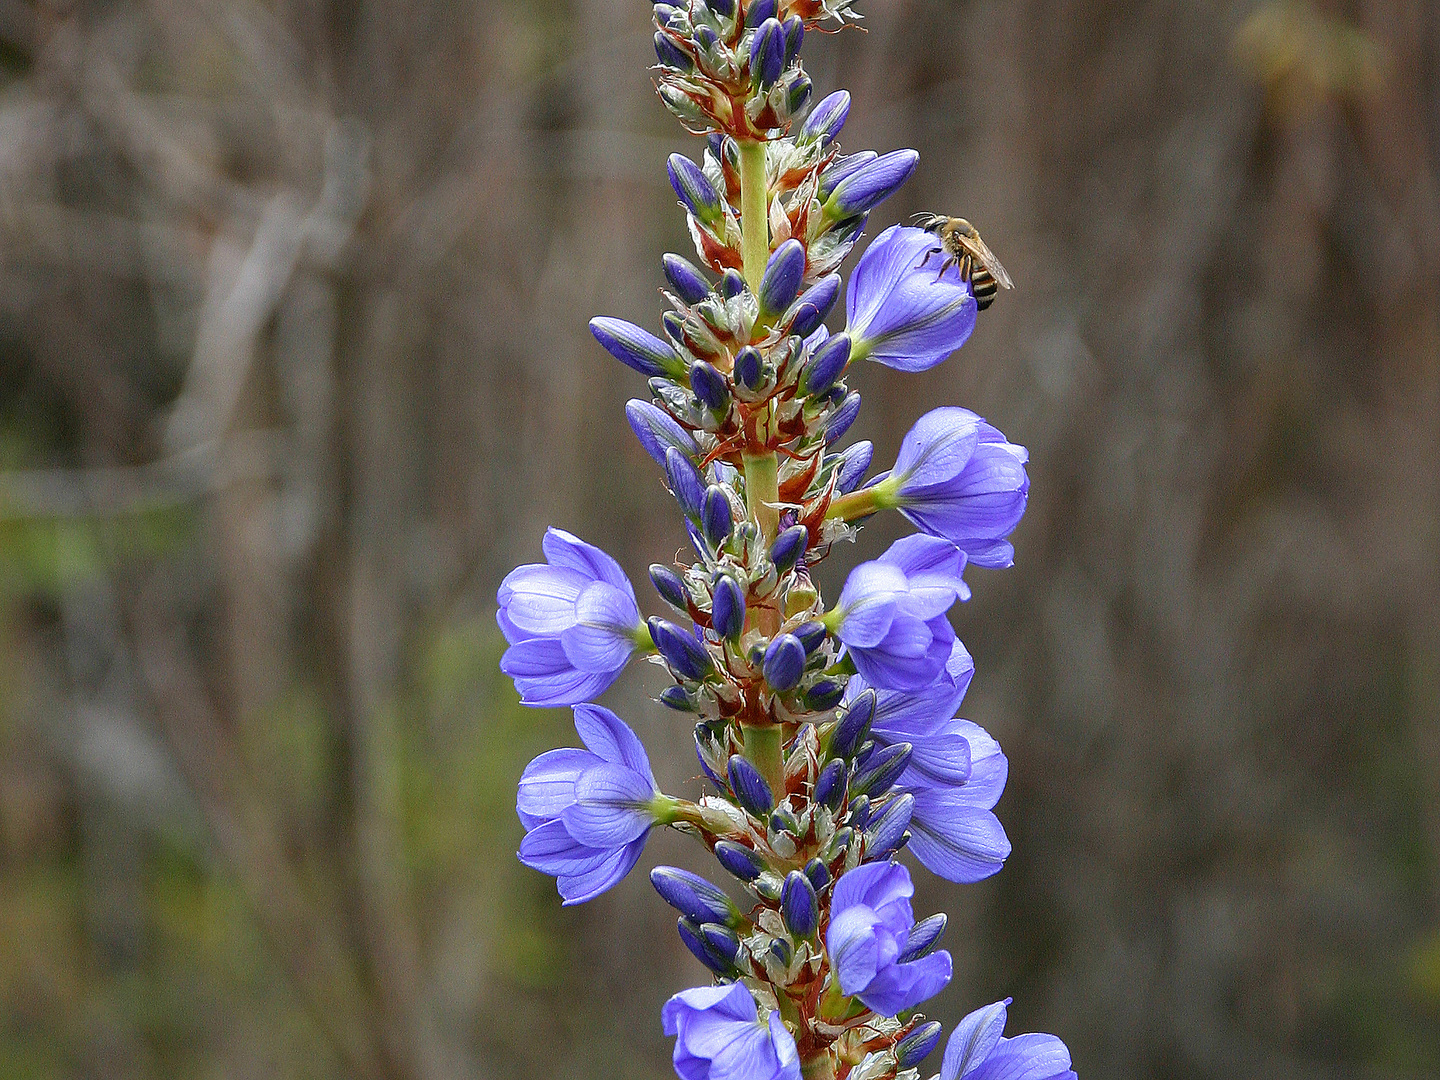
x=828, y=735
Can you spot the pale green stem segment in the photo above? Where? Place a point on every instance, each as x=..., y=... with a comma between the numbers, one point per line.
x=866, y=501
x=762, y=492
x=754, y=213
x=764, y=750
x=820, y=1067
x=667, y=810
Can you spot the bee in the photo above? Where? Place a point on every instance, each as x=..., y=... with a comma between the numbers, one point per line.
x=961, y=245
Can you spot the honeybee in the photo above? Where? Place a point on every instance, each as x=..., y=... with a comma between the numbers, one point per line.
x=961, y=245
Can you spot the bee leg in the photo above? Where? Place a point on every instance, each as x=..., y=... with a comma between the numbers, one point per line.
x=926, y=259
x=945, y=266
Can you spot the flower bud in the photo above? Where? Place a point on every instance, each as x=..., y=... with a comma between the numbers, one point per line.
x=794, y=28
x=657, y=430
x=684, y=107
x=783, y=274
x=785, y=552
x=685, y=482
x=731, y=284
x=824, y=695
x=841, y=169
x=709, y=386
x=859, y=813
x=708, y=752
x=799, y=905
x=678, y=698
x=811, y=635
x=808, y=312
x=853, y=725
x=694, y=897
x=740, y=860
x=872, y=183
x=782, y=951
x=784, y=662
x=838, y=843
x=694, y=189
x=727, y=612
x=748, y=370
x=671, y=55
x=767, y=54
x=686, y=656
x=686, y=279
x=827, y=118
x=716, y=517
x=800, y=88
x=827, y=365
x=924, y=936
x=750, y=788
x=759, y=11
x=722, y=940
x=830, y=784
x=843, y=418
x=634, y=347
x=854, y=462
x=690, y=935
x=881, y=770
x=783, y=820
x=818, y=873
x=670, y=586
x=887, y=832
x=917, y=1046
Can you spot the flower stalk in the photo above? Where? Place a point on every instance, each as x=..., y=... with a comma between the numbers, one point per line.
x=827, y=736
x=754, y=213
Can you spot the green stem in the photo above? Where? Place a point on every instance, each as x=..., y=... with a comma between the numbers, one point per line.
x=820, y=1067
x=754, y=213
x=763, y=749
x=762, y=491
x=866, y=501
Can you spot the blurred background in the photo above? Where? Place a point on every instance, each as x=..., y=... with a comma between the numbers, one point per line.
x=294, y=367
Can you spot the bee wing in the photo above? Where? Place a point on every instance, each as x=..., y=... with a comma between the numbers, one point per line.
x=977, y=250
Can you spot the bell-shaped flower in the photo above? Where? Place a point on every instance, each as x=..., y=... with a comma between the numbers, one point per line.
x=978, y=1051
x=587, y=812
x=956, y=774
x=900, y=310
x=572, y=623
x=891, y=613
x=954, y=831
x=923, y=718
x=958, y=478
x=719, y=1036
x=870, y=926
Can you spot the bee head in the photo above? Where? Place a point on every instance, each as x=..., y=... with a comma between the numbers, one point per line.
x=929, y=222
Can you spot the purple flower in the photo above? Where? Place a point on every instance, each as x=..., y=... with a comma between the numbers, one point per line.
x=976, y=1051
x=572, y=623
x=719, y=1036
x=953, y=830
x=587, y=812
x=956, y=773
x=891, y=613
x=922, y=718
x=870, y=925
x=871, y=184
x=957, y=477
x=901, y=313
